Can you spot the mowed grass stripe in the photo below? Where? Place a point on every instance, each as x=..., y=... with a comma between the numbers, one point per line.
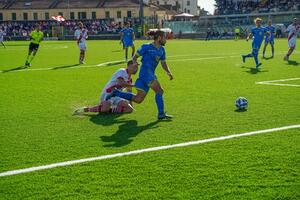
x=140, y=151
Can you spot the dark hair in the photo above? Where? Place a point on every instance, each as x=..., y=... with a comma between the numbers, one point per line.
x=156, y=34
x=130, y=62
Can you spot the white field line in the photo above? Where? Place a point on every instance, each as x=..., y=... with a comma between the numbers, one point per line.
x=140, y=151
x=275, y=82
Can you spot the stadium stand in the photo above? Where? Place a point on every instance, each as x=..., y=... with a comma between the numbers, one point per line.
x=225, y=7
x=95, y=27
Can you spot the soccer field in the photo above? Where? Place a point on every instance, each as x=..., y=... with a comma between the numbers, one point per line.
x=37, y=126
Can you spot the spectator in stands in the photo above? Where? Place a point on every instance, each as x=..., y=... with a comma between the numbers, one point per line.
x=225, y=7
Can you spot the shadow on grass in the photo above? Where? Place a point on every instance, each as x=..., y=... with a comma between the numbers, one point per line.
x=14, y=69
x=127, y=130
x=64, y=66
x=268, y=58
x=240, y=110
x=293, y=62
x=254, y=70
x=112, y=63
x=115, y=51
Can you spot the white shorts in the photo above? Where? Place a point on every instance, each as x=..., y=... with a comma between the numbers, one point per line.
x=292, y=42
x=82, y=46
x=114, y=100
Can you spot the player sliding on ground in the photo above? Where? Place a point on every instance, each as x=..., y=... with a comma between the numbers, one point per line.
x=81, y=36
x=152, y=54
x=121, y=80
x=292, y=30
x=36, y=36
x=258, y=34
x=269, y=38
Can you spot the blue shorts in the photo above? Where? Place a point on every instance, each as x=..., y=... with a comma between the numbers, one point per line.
x=269, y=40
x=128, y=43
x=255, y=48
x=143, y=83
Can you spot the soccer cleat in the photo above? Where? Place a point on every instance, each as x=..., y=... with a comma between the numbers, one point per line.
x=244, y=58
x=79, y=111
x=27, y=64
x=286, y=58
x=258, y=65
x=164, y=116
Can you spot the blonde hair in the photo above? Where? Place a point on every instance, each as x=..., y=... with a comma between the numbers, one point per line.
x=257, y=19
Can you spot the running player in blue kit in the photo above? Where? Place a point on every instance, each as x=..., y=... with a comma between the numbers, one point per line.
x=269, y=38
x=127, y=38
x=258, y=34
x=151, y=54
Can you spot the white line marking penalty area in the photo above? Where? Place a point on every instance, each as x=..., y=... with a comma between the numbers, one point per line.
x=279, y=82
x=140, y=151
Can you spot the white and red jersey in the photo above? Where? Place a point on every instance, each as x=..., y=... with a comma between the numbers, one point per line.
x=113, y=82
x=293, y=30
x=81, y=35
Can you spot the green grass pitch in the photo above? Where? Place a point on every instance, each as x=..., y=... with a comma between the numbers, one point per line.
x=37, y=126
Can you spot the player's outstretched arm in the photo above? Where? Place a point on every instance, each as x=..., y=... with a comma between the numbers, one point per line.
x=123, y=83
x=167, y=69
x=135, y=57
x=250, y=35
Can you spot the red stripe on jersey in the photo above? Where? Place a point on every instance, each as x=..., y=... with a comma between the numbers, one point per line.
x=290, y=37
x=109, y=90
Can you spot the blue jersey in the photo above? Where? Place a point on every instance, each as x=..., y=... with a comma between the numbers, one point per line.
x=127, y=34
x=271, y=31
x=258, y=36
x=151, y=56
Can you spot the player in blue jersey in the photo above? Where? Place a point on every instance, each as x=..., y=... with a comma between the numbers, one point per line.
x=269, y=38
x=127, y=38
x=151, y=54
x=258, y=34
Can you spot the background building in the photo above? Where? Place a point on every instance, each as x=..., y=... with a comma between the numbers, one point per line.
x=182, y=6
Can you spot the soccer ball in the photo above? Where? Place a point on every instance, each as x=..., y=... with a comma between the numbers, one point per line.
x=241, y=103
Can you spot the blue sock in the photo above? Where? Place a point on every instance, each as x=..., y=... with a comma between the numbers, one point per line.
x=160, y=103
x=124, y=95
x=256, y=58
x=249, y=55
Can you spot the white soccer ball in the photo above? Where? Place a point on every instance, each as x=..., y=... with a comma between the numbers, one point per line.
x=241, y=103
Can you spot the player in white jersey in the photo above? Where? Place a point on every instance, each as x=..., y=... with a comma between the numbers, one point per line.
x=121, y=80
x=2, y=34
x=292, y=30
x=81, y=36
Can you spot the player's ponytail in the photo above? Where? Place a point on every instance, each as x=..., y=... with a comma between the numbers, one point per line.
x=155, y=34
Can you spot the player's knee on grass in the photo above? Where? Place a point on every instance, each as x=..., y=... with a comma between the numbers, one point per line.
x=105, y=106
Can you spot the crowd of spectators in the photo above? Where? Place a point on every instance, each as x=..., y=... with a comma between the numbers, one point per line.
x=227, y=7
x=94, y=27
